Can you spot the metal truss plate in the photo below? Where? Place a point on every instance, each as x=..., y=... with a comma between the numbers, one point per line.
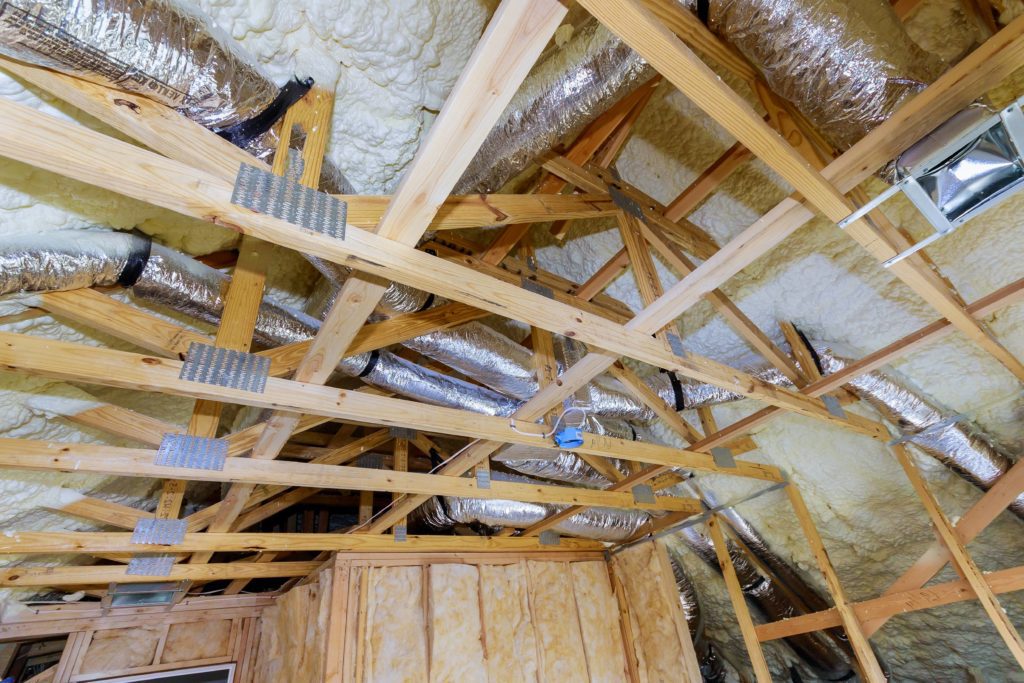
x=159, y=531
x=192, y=452
x=723, y=456
x=550, y=538
x=833, y=406
x=283, y=198
x=150, y=565
x=643, y=493
x=225, y=368
x=537, y=288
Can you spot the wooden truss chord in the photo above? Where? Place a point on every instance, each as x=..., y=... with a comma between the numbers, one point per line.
x=99, y=542
x=511, y=43
x=960, y=558
x=641, y=30
x=135, y=462
x=739, y=602
x=36, y=577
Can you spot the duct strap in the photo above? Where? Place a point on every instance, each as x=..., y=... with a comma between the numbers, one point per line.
x=370, y=364
x=677, y=390
x=244, y=132
x=703, y=11
x=136, y=263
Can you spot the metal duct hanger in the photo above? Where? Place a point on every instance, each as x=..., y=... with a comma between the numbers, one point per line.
x=963, y=168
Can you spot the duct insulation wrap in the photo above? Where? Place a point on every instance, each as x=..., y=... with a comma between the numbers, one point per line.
x=172, y=279
x=566, y=466
x=77, y=259
x=602, y=524
x=485, y=354
x=770, y=598
x=958, y=444
x=165, y=50
x=564, y=92
x=847, y=66
x=712, y=666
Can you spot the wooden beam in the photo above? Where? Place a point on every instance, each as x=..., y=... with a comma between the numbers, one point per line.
x=122, y=369
x=93, y=543
x=36, y=577
x=961, y=559
x=641, y=30
x=135, y=462
x=870, y=670
x=973, y=522
x=405, y=264
x=739, y=603
x=504, y=55
x=707, y=182
x=595, y=179
x=887, y=606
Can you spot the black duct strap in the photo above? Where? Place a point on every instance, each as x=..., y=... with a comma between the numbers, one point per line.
x=677, y=390
x=435, y=458
x=244, y=132
x=370, y=364
x=810, y=347
x=135, y=264
x=703, y=11
x=426, y=304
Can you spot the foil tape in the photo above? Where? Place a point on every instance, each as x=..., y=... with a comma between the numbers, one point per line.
x=563, y=93
x=70, y=259
x=847, y=66
x=961, y=446
x=164, y=50
x=603, y=524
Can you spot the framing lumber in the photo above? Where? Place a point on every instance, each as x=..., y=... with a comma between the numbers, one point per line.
x=34, y=577
x=135, y=462
x=209, y=197
x=870, y=670
x=707, y=182
x=504, y=55
x=973, y=522
x=93, y=543
x=887, y=606
x=641, y=30
x=739, y=603
x=960, y=558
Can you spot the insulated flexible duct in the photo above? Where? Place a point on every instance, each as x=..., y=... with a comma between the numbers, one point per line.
x=766, y=593
x=165, y=50
x=712, y=666
x=959, y=444
x=847, y=66
x=603, y=524
x=166, y=277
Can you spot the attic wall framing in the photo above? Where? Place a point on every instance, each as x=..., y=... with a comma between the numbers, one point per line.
x=190, y=171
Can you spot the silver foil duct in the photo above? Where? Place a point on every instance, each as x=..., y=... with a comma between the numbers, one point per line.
x=688, y=394
x=172, y=279
x=602, y=524
x=165, y=50
x=563, y=93
x=712, y=666
x=602, y=394
x=70, y=259
x=847, y=66
x=959, y=445
x=188, y=286
x=567, y=466
x=765, y=592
